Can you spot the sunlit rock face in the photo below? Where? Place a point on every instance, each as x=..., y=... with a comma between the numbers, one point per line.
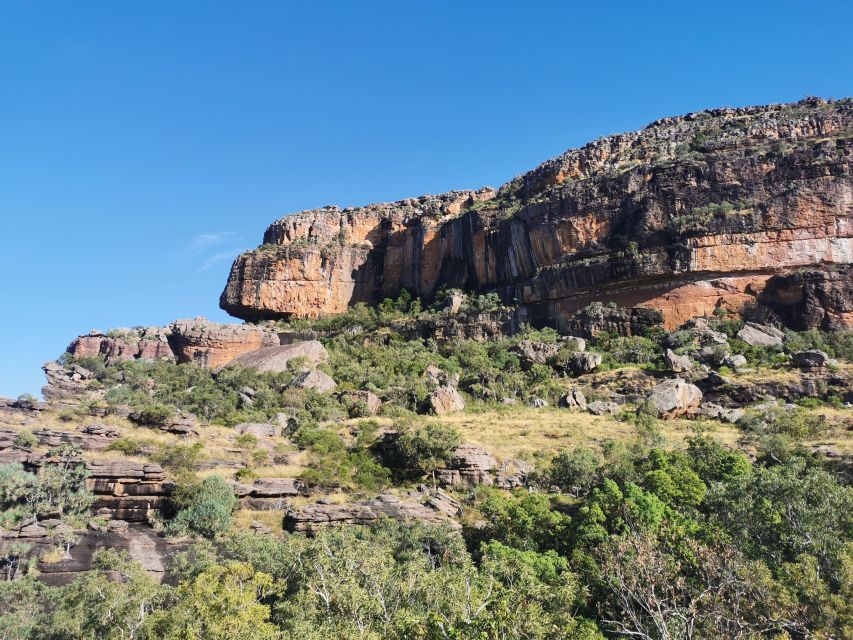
x=687, y=215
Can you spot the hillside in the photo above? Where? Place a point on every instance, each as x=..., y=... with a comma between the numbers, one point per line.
x=613, y=398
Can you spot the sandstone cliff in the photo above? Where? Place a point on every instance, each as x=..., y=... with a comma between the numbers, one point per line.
x=689, y=214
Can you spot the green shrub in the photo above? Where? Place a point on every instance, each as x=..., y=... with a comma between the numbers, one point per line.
x=424, y=448
x=575, y=471
x=181, y=458
x=25, y=440
x=204, y=508
x=127, y=446
x=152, y=415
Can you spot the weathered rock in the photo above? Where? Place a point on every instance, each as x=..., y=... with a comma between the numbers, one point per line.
x=258, y=429
x=66, y=383
x=573, y=399
x=92, y=437
x=598, y=318
x=370, y=401
x=445, y=400
x=313, y=517
x=276, y=358
x=538, y=403
x=127, y=490
x=736, y=361
x=759, y=335
x=469, y=466
x=144, y=343
x=674, y=398
x=581, y=363
x=316, y=380
x=270, y=493
x=140, y=542
x=677, y=363
x=716, y=412
x=601, y=408
x=530, y=352
x=709, y=224
x=810, y=359
x=212, y=345
x=812, y=299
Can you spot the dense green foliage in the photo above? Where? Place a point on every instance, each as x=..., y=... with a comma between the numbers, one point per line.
x=635, y=538
x=696, y=542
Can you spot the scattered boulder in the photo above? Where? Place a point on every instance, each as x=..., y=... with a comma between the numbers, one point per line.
x=258, y=429
x=538, y=403
x=674, y=398
x=573, y=399
x=716, y=412
x=760, y=335
x=317, y=380
x=810, y=359
x=584, y=362
x=677, y=363
x=736, y=361
x=601, y=408
x=276, y=358
x=445, y=400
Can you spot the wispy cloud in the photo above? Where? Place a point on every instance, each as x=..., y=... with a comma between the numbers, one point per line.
x=216, y=258
x=206, y=241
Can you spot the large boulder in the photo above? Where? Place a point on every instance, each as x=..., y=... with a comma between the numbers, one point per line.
x=677, y=363
x=317, y=380
x=276, y=358
x=674, y=398
x=469, y=466
x=760, y=335
x=810, y=359
x=445, y=400
x=585, y=362
x=258, y=429
x=573, y=399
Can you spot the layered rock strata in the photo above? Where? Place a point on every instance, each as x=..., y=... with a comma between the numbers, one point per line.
x=687, y=215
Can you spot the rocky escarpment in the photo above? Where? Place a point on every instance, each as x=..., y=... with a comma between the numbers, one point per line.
x=205, y=343
x=689, y=214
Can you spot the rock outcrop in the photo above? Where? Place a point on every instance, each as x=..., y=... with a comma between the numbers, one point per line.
x=687, y=215
x=141, y=543
x=469, y=466
x=276, y=358
x=674, y=398
x=313, y=517
x=127, y=490
x=212, y=345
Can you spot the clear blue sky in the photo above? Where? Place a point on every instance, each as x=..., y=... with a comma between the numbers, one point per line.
x=144, y=144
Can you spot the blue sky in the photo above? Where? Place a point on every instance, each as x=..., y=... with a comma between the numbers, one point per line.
x=143, y=145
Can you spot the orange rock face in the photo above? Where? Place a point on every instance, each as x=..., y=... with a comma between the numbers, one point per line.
x=212, y=345
x=688, y=215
